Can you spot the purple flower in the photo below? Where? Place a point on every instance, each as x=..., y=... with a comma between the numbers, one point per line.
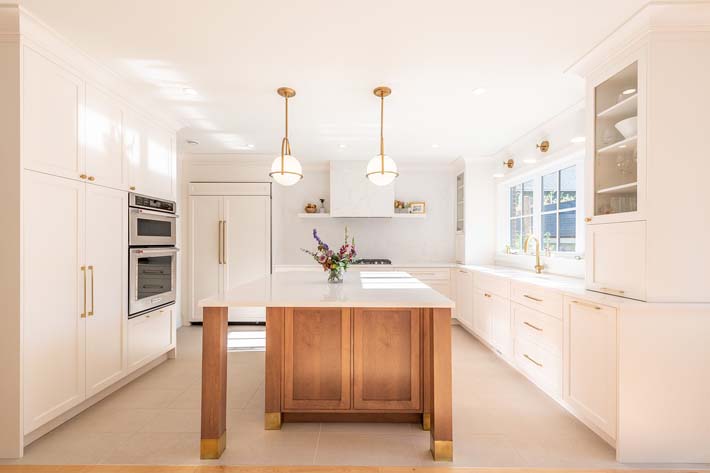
x=320, y=242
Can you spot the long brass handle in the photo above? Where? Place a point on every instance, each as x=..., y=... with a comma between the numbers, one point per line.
x=532, y=326
x=224, y=241
x=219, y=243
x=608, y=289
x=83, y=270
x=91, y=312
x=532, y=298
x=538, y=364
x=585, y=304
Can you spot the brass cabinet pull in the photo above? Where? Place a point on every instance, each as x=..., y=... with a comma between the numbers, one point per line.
x=588, y=219
x=585, y=304
x=224, y=241
x=532, y=326
x=538, y=364
x=83, y=270
x=92, y=178
x=132, y=188
x=82, y=176
x=91, y=312
x=608, y=289
x=486, y=294
x=532, y=298
x=219, y=242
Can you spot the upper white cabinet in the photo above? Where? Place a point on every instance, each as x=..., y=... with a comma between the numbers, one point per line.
x=353, y=195
x=590, y=364
x=106, y=163
x=151, y=158
x=52, y=117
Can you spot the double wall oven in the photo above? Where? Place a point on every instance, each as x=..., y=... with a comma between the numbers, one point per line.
x=152, y=255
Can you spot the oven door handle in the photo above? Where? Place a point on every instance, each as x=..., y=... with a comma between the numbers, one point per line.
x=167, y=215
x=155, y=251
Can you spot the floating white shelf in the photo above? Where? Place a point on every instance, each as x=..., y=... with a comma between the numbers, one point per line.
x=618, y=144
x=624, y=109
x=622, y=189
x=327, y=215
x=409, y=216
x=314, y=215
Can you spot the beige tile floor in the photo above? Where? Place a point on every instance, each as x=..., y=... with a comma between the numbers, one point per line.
x=500, y=419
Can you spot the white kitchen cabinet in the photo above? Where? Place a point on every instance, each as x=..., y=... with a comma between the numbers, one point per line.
x=482, y=314
x=616, y=259
x=590, y=364
x=541, y=329
x=151, y=158
x=541, y=366
x=464, y=297
x=52, y=117
x=106, y=162
x=150, y=335
x=501, y=337
x=230, y=228
x=107, y=273
x=54, y=308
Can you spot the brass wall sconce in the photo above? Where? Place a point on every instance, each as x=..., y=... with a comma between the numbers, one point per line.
x=509, y=163
x=543, y=146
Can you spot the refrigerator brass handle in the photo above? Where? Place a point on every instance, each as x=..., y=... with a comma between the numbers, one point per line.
x=532, y=298
x=219, y=243
x=83, y=270
x=591, y=306
x=532, y=326
x=91, y=312
x=224, y=241
x=538, y=364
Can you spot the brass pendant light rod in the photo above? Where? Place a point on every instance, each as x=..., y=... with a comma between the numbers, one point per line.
x=286, y=93
x=382, y=92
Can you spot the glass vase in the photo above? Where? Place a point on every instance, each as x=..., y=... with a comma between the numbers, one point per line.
x=335, y=276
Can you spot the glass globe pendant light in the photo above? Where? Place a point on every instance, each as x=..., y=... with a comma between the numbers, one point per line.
x=382, y=170
x=286, y=170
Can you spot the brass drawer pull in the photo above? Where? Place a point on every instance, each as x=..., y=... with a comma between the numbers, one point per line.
x=591, y=306
x=532, y=326
x=608, y=289
x=532, y=298
x=538, y=364
x=487, y=295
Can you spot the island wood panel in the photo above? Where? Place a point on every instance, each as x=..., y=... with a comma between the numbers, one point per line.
x=440, y=381
x=387, y=359
x=214, y=383
x=317, y=359
x=273, y=375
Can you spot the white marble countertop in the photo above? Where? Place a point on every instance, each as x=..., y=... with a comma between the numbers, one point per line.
x=311, y=289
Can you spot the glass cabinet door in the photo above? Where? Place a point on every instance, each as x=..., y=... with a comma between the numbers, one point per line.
x=615, y=146
x=459, y=203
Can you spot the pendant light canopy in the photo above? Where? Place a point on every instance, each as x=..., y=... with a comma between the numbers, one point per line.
x=382, y=170
x=286, y=170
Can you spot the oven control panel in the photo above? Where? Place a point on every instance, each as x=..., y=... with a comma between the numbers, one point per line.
x=150, y=203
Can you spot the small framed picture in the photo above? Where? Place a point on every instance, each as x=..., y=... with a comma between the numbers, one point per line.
x=417, y=207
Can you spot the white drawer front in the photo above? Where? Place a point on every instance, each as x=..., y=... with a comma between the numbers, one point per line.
x=149, y=335
x=492, y=284
x=539, y=328
x=428, y=274
x=538, y=298
x=542, y=366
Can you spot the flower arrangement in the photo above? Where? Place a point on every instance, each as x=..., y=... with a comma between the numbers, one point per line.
x=334, y=262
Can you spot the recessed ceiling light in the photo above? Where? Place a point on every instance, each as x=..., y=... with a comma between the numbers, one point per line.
x=250, y=146
x=435, y=145
x=192, y=142
x=189, y=91
x=342, y=146
x=479, y=91
x=628, y=92
x=578, y=139
x=498, y=175
x=530, y=161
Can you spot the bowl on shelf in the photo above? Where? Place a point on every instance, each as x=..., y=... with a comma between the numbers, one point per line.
x=311, y=208
x=628, y=127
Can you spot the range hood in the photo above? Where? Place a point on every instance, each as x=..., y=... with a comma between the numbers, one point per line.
x=353, y=195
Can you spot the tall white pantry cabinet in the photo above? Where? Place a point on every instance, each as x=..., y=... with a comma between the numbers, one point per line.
x=230, y=242
x=73, y=146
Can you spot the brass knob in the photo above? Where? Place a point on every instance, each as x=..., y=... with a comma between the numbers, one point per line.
x=588, y=219
x=92, y=178
x=82, y=176
x=132, y=188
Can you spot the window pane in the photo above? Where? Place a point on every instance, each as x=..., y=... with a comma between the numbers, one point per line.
x=528, y=198
x=516, y=201
x=568, y=230
x=568, y=188
x=527, y=227
x=515, y=237
x=549, y=192
x=549, y=231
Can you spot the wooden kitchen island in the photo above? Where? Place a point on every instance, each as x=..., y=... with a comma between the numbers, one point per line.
x=376, y=348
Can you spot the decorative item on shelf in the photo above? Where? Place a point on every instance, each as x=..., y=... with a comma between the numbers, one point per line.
x=322, y=206
x=401, y=207
x=286, y=170
x=417, y=207
x=627, y=127
x=543, y=146
x=311, y=208
x=335, y=263
x=382, y=170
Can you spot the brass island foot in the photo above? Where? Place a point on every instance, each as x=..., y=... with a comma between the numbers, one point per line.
x=442, y=450
x=211, y=449
x=272, y=421
x=426, y=421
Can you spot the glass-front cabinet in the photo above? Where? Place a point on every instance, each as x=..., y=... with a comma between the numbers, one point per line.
x=459, y=204
x=618, y=146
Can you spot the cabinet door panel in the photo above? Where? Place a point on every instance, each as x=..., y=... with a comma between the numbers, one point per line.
x=206, y=270
x=616, y=262
x=53, y=302
x=150, y=154
x=482, y=314
x=386, y=359
x=107, y=292
x=149, y=335
x=317, y=359
x=591, y=363
x=104, y=140
x=465, y=303
x=52, y=104
x=501, y=337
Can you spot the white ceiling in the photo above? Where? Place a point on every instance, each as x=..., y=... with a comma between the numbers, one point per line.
x=433, y=54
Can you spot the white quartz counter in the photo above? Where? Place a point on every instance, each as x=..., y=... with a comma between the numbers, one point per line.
x=311, y=289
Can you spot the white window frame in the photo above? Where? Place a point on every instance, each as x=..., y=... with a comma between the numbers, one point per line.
x=536, y=174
